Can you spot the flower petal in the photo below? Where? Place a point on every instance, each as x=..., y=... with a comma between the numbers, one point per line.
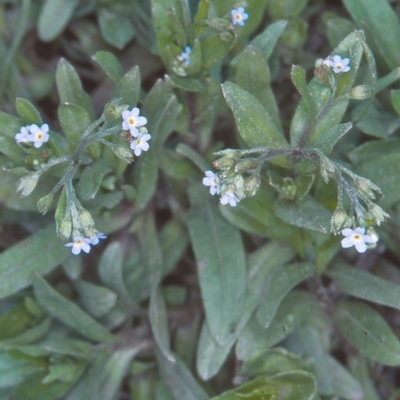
x=360, y=246
x=360, y=231
x=347, y=242
x=369, y=239
x=347, y=232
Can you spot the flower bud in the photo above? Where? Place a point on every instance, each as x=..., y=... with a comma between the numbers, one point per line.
x=65, y=228
x=123, y=153
x=44, y=203
x=371, y=232
x=288, y=189
x=27, y=183
x=110, y=112
x=377, y=214
x=361, y=92
x=338, y=220
x=227, y=161
x=251, y=185
x=85, y=219
x=245, y=165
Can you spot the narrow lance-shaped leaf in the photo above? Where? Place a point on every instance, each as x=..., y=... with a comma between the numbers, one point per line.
x=362, y=284
x=69, y=313
x=254, y=123
x=221, y=265
x=279, y=282
x=40, y=253
x=210, y=355
x=70, y=89
x=366, y=330
x=48, y=26
x=383, y=31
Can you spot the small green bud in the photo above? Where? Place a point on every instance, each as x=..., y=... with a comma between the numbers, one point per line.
x=245, y=165
x=377, y=214
x=227, y=161
x=361, y=92
x=27, y=184
x=65, y=228
x=110, y=112
x=251, y=185
x=123, y=153
x=44, y=203
x=338, y=220
x=288, y=189
x=85, y=218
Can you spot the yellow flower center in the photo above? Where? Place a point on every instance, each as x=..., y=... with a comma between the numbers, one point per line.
x=238, y=16
x=356, y=237
x=131, y=121
x=138, y=142
x=39, y=136
x=79, y=242
x=339, y=66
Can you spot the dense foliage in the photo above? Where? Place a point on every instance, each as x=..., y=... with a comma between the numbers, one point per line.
x=200, y=199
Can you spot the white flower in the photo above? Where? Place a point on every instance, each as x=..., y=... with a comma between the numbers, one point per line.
x=38, y=135
x=79, y=244
x=132, y=120
x=95, y=239
x=185, y=55
x=212, y=180
x=140, y=144
x=230, y=198
x=239, y=16
x=23, y=136
x=338, y=64
x=357, y=238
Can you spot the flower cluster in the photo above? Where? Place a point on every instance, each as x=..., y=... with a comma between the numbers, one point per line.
x=338, y=64
x=33, y=134
x=83, y=244
x=239, y=16
x=134, y=123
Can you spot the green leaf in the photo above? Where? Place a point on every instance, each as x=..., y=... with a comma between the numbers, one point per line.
x=346, y=386
x=279, y=282
x=395, y=96
x=69, y=313
x=50, y=27
x=366, y=330
x=327, y=141
x=214, y=49
x=162, y=108
x=221, y=265
x=32, y=388
x=380, y=172
x=292, y=385
x=10, y=125
x=38, y=254
x=12, y=371
x=298, y=75
x=364, y=285
x=110, y=64
x=97, y=300
x=70, y=89
x=151, y=250
x=313, y=344
x=255, y=339
x=91, y=179
x=128, y=87
x=163, y=26
x=307, y=214
x=254, y=123
x=210, y=355
x=159, y=323
x=111, y=271
x=286, y=9
x=177, y=377
x=145, y=178
x=115, y=371
x=116, y=30
x=28, y=112
x=383, y=31
x=253, y=75
x=374, y=149
x=266, y=41
x=74, y=120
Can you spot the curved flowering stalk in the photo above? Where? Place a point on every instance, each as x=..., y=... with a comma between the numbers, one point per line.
x=73, y=220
